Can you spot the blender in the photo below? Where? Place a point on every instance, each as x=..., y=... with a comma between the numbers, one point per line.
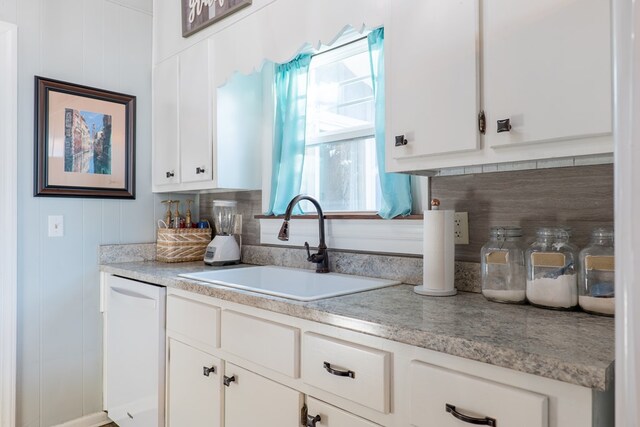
x=224, y=249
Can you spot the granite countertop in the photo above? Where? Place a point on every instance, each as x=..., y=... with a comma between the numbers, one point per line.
x=572, y=347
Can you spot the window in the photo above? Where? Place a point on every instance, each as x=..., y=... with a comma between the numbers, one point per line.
x=340, y=167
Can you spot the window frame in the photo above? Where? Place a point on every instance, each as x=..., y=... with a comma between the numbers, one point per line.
x=353, y=44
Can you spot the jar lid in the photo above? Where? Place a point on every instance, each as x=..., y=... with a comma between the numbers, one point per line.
x=506, y=231
x=602, y=233
x=225, y=203
x=560, y=232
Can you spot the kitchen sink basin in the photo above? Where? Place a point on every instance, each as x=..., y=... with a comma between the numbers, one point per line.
x=292, y=283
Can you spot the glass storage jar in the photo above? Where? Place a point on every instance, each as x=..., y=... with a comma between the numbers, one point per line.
x=551, y=270
x=502, y=264
x=597, y=274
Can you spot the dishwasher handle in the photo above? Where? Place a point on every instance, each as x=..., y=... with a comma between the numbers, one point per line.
x=134, y=298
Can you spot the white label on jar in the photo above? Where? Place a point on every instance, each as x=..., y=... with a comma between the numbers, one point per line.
x=547, y=259
x=600, y=262
x=497, y=257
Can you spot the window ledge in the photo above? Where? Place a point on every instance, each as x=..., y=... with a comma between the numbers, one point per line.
x=349, y=232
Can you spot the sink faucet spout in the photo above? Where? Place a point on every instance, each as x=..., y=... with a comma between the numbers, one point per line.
x=321, y=258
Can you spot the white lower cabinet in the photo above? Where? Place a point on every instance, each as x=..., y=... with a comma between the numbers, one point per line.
x=253, y=400
x=325, y=415
x=194, y=393
x=273, y=370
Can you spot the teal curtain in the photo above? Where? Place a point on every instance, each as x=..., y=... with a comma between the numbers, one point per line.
x=291, y=81
x=396, y=188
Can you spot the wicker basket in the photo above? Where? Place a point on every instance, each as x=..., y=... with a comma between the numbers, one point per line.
x=182, y=244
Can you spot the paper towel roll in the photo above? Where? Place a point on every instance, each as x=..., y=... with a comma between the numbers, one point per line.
x=438, y=254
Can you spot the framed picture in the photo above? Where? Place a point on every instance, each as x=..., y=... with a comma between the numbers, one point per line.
x=199, y=14
x=84, y=141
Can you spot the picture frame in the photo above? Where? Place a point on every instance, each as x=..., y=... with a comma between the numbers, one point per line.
x=84, y=141
x=199, y=14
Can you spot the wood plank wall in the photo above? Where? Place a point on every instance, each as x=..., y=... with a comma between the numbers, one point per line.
x=580, y=197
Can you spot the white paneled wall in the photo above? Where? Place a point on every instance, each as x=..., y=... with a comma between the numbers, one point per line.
x=100, y=43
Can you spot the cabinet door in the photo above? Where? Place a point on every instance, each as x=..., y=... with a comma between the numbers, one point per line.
x=254, y=400
x=431, y=52
x=196, y=143
x=330, y=416
x=166, y=146
x=547, y=68
x=194, y=391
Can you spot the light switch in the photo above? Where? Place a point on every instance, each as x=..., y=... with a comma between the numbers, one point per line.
x=56, y=226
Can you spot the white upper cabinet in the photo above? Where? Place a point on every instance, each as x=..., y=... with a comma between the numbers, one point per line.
x=189, y=152
x=547, y=69
x=545, y=75
x=195, y=114
x=166, y=152
x=431, y=54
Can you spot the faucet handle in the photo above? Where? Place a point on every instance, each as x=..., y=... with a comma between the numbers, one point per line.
x=309, y=256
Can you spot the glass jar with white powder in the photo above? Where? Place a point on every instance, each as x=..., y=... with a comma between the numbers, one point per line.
x=502, y=264
x=551, y=270
x=597, y=274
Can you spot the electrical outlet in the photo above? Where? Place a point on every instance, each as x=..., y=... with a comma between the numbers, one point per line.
x=461, y=228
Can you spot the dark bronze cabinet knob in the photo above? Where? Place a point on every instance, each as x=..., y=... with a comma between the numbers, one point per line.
x=504, y=125
x=170, y=174
x=199, y=171
x=206, y=370
x=401, y=140
x=311, y=421
x=228, y=380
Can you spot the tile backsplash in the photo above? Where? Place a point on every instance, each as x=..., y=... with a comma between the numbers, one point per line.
x=579, y=196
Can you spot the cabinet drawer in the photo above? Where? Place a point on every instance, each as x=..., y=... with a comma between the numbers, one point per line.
x=433, y=389
x=266, y=343
x=330, y=416
x=352, y=371
x=194, y=319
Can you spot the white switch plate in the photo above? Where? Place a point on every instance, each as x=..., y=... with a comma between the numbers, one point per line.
x=461, y=228
x=56, y=226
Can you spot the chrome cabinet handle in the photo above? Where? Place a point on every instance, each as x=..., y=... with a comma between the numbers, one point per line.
x=337, y=372
x=206, y=371
x=401, y=140
x=171, y=174
x=486, y=421
x=504, y=125
x=311, y=421
x=228, y=380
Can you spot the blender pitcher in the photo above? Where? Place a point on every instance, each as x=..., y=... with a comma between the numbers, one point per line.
x=223, y=249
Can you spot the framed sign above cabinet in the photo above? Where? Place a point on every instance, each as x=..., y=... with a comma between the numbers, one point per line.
x=199, y=14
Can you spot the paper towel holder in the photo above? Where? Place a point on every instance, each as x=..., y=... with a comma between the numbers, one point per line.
x=438, y=274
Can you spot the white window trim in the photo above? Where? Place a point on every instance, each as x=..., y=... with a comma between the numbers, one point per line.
x=8, y=216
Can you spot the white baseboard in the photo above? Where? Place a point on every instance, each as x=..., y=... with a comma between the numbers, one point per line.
x=94, y=420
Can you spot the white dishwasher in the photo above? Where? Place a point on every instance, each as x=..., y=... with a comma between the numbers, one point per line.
x=134, y=366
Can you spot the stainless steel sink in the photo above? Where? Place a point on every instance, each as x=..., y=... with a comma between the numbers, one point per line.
x=296, y=284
